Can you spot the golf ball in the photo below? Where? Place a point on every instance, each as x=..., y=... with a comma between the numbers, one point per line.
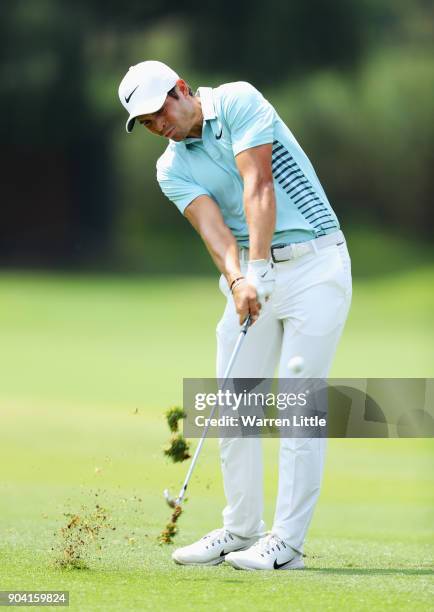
x=296, y=364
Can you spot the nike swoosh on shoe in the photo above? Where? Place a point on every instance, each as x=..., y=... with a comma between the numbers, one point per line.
x=279, y=565
x=223, y=553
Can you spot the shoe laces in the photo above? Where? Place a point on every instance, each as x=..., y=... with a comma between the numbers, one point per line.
x=268, y=544
x=218, y=536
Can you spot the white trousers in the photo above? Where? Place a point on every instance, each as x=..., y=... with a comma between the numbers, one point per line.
x=304, y=317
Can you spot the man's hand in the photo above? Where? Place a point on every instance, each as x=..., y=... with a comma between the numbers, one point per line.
x=245, y=300
x=261, y=274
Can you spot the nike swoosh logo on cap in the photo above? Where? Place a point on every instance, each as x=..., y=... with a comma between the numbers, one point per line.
x=128, y=98
x=265, y=274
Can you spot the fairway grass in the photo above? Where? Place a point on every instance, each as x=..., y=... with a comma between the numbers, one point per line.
x=88, y=367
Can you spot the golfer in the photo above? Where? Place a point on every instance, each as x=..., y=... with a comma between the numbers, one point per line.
x=235, y=171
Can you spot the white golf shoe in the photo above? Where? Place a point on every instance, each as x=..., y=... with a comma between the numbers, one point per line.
x=269, y=553
x=211, y=549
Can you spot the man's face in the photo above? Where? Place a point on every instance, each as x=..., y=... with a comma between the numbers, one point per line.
x=174, y=119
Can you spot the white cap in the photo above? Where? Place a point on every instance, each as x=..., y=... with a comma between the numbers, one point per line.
x=144, y=88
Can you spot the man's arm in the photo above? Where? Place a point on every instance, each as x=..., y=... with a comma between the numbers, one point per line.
x=254, y=166
x=205, y=216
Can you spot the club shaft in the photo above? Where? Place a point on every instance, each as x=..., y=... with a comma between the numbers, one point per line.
x=205, y=431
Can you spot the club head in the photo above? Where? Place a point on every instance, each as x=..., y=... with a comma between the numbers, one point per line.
x=169, y=499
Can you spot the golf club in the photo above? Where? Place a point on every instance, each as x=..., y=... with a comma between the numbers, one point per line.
x=174, y=502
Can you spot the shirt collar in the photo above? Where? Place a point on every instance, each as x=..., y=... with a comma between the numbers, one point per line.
x=207, y=103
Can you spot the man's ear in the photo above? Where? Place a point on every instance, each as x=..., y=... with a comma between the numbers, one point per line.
x=182, y=87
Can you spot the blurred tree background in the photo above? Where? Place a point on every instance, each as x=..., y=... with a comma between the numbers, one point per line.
x=353, y=79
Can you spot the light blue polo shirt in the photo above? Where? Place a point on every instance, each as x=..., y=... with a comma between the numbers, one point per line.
x=237, y=117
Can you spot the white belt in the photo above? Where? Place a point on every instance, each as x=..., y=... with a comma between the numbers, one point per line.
x=286, y=252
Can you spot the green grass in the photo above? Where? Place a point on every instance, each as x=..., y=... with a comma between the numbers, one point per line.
x=88, y=366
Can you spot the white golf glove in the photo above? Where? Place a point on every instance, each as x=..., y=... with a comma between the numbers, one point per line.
x=262, y=275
